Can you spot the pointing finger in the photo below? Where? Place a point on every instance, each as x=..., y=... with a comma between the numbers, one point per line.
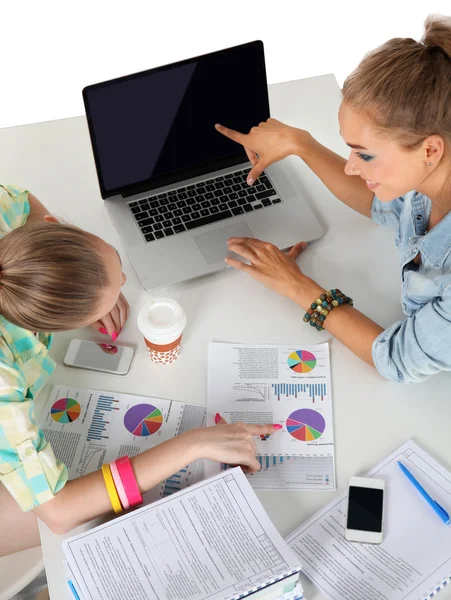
x=256, y=171
x=236, y=136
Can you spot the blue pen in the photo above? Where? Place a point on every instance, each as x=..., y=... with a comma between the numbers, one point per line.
x=72, y=589
x=432, y=503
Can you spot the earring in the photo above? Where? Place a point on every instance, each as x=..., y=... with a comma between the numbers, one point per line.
x=430, y=164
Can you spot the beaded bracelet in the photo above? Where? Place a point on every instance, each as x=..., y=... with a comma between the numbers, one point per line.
x=318, y=311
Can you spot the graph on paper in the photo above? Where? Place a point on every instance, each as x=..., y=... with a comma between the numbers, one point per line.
x=289, y=386
x=291, y=473
x=65, y=410
x=93, y=427
x=103, y=414
x=316, y=391
x=248, y=391
x=306, y=425
x=301, y=361
x=143, y=420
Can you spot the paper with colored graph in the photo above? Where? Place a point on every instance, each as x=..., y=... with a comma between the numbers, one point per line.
x=286, y=385
x=88, y=428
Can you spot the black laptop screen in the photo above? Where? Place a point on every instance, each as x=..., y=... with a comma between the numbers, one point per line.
x=157, y=127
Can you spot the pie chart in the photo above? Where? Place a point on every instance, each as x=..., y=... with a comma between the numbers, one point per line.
x=306, y=424
x=301, y=361
x=143, y=420
x=65, y=410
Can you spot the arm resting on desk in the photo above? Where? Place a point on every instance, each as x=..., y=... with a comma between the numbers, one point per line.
x=410, y=350
x=86, y=498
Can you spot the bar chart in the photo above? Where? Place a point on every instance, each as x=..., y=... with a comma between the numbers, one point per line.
x=106, y=405
x=315, y=391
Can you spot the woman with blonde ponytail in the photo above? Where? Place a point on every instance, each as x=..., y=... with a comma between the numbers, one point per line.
x=56, y=277
x=396, y=118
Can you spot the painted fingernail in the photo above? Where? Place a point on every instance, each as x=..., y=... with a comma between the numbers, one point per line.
x=103, y=330
x=277, y=426
x=217, y=418
x=250, y=181
x=114, y=336
x=107, y=346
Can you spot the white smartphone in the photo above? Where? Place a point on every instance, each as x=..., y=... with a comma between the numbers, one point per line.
x=365, y=522
x=108, y=358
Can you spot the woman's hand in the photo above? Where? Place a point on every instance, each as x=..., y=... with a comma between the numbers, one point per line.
x=269, y=142
x=275, y=269
x=230, y=444
x=113, y=322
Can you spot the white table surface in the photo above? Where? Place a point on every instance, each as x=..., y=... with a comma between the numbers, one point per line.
x=372, y=416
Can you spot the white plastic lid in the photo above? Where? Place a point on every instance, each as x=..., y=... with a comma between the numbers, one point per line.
x=161, y=320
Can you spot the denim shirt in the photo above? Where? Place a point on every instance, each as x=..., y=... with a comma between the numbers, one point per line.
x=420, y=345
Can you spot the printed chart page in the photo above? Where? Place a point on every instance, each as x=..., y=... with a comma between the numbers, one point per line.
x=414, y=559
x=88, y=428
x=212, y=541
x=278, y=384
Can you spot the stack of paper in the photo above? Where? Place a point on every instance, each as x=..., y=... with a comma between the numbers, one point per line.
x=211, y=541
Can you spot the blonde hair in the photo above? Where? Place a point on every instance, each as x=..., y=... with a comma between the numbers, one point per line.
x=51, y=277
x=404, y=86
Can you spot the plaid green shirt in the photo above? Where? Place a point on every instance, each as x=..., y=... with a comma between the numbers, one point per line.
x=28, y=467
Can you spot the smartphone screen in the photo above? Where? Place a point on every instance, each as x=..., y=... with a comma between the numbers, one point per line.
x=98, y=356
x=365, y=509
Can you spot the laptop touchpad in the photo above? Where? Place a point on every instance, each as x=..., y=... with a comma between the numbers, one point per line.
x=213, y=244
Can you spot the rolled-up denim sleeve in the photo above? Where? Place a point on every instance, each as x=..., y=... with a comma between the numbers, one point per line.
x=413, y=349
x=387, y=214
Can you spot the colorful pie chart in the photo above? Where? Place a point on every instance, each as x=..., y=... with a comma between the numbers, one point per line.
x=143, y=420
x=301, y=361
x=65, y=410
x=306, y=425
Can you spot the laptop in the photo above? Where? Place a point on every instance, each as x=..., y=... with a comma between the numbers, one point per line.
x=173, y=186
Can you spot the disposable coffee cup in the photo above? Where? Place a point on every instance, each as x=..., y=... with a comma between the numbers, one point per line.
x=161, y=322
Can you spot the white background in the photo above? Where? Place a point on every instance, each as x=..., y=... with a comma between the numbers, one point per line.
x=51, y=49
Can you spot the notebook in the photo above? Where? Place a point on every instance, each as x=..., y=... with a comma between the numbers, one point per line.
x=414, y=560
x=212, y=540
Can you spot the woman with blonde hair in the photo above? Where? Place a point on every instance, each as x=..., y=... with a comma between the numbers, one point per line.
x=396, y=118
x=56, y=277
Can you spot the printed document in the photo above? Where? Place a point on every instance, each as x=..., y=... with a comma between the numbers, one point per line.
x=286, y=385
x=88, y=428
x=211, y=541
x=414, y=559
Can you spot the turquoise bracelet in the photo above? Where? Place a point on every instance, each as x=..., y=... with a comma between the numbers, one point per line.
x=318, y=311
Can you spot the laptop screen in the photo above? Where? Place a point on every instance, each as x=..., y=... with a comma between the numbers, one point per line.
x=157, y=127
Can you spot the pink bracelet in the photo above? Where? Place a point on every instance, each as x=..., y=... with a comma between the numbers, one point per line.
x=119, y=486
x=129, y=482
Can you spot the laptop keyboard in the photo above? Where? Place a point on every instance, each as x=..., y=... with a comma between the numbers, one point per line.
x=206, y=202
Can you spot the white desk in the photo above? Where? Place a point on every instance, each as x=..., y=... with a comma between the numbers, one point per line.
x=372, y=416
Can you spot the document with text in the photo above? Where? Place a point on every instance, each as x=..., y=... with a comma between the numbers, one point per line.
x=212, y=541
x=286, y=385
x=88, y=428
x=414, y=560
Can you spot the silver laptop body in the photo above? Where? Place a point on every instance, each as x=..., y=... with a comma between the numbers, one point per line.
x=175, y=224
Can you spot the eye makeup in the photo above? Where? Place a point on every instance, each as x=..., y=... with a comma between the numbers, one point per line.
x=365, y=157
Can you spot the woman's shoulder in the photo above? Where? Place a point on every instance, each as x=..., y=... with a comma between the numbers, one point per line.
x=7, y=351
x=14, y=208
